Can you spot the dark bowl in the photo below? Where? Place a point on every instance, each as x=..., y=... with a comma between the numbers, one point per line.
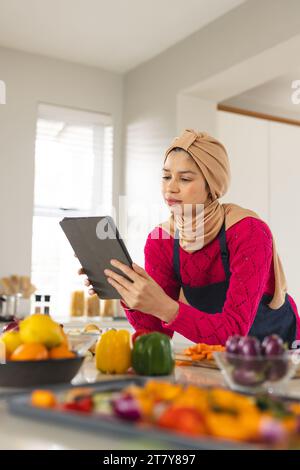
x=35, y=373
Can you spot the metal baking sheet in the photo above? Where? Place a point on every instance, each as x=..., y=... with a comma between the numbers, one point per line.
x=20, y=406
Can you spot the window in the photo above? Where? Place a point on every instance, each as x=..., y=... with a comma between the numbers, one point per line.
x=73, y=177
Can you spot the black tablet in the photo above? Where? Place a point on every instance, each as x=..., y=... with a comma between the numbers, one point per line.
x=95, y=241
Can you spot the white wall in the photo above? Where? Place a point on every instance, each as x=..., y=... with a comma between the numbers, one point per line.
x=247, y=142
x=31, y=79
x=155, y=108
x=196, y=113
x=285, y=198
x=219, y=56
x=265, y=165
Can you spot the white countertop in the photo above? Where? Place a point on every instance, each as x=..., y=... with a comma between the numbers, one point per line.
x=107, y=322
x=24, y=433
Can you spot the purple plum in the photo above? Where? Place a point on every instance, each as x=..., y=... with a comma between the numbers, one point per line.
x=247, y=377
x=232, y=349
x=232, y=344
x=273, y=346
x=277, y=369
x=249, y=347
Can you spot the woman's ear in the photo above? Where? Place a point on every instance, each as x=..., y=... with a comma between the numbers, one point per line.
x=209, y=195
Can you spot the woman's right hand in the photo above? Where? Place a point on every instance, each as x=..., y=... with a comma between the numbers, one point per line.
x=86, y=281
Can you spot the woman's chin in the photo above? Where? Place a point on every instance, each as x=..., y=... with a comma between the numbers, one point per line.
x=176, y=208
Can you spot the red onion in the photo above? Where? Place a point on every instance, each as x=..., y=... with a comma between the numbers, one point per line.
x=126, y=407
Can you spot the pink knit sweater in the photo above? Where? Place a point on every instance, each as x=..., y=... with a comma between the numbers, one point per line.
x=249, y=243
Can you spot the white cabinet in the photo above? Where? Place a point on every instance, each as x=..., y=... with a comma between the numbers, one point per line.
x=246, y=141
x=265, y=164
x=285, y=200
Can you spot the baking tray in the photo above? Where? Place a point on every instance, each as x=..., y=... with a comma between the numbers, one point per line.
x=20, y=405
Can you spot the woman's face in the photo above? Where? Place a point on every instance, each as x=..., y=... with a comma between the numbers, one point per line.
x=182, y=180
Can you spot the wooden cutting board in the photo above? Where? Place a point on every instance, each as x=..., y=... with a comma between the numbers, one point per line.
x=208, y=364
x=297, y=373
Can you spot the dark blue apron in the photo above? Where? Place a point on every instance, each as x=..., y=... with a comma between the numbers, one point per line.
x=211, y=298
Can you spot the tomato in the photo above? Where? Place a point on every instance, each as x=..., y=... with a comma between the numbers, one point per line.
x=183, y=420
x=84, y=405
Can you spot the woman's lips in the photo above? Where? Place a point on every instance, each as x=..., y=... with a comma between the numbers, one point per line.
x=172, y=202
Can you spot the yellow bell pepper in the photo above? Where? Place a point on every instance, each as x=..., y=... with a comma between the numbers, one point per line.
x=113, y=352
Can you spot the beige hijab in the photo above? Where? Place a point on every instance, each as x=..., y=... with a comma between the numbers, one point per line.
x=212, y=159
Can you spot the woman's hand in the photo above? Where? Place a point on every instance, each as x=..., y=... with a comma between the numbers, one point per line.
x=86, y=282
x=143, y=294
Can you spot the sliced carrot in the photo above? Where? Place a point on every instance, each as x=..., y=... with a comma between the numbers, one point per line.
x=198, y=357
x=202, y=351
x=182, y=363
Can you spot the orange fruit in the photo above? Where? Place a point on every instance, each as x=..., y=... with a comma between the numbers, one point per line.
x=61, y=352
x=43, y=398
x=30, y=352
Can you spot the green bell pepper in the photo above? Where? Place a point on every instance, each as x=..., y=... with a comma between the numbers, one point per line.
x=152, y=354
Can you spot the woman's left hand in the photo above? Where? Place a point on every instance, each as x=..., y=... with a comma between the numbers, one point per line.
x=143, y=294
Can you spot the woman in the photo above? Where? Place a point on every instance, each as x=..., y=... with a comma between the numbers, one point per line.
x=210, y=272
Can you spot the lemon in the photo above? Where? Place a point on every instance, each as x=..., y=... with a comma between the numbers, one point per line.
x=40, y=328
x=12, y=341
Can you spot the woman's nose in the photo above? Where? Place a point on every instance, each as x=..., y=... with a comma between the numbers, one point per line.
x=172, y=185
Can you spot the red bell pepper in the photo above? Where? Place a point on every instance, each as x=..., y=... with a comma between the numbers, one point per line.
x=183, y=420
x=137, y=334
x=84, y=405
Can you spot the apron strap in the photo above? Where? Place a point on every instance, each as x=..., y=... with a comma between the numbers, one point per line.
x=223, y=247
x=224, y=251
x=176, y=260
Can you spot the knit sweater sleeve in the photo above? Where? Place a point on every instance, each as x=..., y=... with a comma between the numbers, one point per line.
x=250, y=253
x=159, y=268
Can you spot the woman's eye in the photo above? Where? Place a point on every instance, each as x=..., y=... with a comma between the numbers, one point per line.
x=168, y=177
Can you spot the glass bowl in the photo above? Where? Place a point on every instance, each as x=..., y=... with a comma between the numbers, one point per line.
x=256, y=374
x=82, y=342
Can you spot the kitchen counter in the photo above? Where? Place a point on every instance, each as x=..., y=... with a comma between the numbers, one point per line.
x=23, y=433
x=109, y=322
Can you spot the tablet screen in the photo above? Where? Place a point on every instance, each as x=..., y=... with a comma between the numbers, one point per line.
x=95, y=241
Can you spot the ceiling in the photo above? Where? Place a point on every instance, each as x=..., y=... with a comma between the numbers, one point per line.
x=273, y=97
x=116, y=35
